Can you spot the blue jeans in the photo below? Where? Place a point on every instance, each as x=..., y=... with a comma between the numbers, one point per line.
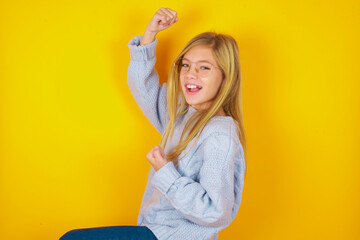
x=111, y=233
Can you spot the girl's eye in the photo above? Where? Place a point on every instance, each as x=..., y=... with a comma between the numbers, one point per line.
x=204, y=68
x=184, y=65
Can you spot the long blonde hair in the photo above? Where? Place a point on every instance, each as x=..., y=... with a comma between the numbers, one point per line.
x=226, y=54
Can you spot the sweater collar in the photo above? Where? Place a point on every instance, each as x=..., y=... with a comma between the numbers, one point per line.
x=191, y=109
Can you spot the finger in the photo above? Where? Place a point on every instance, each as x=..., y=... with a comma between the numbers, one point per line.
x=169, y=13
x=172, y=11
x=157, y=156
x=162, y=15
x=173, y=14
x=150, y=156
x=162, y=18
x=162, y=153
x=169, y=16
x=176, y=19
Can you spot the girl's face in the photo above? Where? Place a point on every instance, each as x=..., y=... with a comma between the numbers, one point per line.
x=199, y=69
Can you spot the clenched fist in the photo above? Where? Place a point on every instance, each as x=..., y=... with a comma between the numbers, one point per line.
x=156, y=157
x=163, y=18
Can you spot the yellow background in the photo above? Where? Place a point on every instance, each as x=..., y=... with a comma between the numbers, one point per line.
x=73, y=141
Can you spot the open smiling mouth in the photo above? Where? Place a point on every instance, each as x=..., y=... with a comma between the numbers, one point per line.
x=192, y=89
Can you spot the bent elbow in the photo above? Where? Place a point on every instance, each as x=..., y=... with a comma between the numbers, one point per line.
x=217, y=219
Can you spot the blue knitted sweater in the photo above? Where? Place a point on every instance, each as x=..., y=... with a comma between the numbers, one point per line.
x=200, y=195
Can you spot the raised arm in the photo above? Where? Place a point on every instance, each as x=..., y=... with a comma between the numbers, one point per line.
x=143, y=80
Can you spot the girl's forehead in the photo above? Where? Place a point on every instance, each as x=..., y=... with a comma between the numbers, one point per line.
x=200, y=53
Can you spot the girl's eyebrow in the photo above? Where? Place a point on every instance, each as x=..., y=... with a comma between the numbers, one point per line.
x=198, y=61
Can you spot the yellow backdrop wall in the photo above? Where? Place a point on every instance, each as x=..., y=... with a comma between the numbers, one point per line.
x=73, y=141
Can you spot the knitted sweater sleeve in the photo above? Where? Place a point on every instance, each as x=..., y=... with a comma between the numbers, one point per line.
x=143, y=81
x=210, y=200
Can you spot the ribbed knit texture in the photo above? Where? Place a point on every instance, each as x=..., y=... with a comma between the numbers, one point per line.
x=202, y=194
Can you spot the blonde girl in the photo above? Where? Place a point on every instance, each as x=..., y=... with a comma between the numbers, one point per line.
x=197, y=173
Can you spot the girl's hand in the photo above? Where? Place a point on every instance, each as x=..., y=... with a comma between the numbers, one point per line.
x=163, y=18
x=156, y=157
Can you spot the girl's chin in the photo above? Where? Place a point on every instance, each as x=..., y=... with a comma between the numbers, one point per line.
x=198, y=105
x=191, y=102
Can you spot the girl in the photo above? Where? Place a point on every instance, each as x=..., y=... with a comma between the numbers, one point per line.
x=197, y=176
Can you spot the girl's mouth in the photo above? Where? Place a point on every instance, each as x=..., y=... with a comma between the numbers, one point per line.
x=192, y=89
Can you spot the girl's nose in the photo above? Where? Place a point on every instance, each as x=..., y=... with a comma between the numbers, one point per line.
x=193, y=71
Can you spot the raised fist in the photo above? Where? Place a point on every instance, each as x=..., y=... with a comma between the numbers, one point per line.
x=163, y=18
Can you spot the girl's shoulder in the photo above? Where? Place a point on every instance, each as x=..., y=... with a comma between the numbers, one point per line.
x=221, y=125
x=224, y=124
x=219, y=134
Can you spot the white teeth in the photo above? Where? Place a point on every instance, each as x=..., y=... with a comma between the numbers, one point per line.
x=191, y=86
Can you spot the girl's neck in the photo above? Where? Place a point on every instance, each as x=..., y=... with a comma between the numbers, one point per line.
x=221, y=113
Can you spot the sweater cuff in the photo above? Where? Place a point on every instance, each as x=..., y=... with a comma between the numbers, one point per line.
x=143, y=52
x=165, y=177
